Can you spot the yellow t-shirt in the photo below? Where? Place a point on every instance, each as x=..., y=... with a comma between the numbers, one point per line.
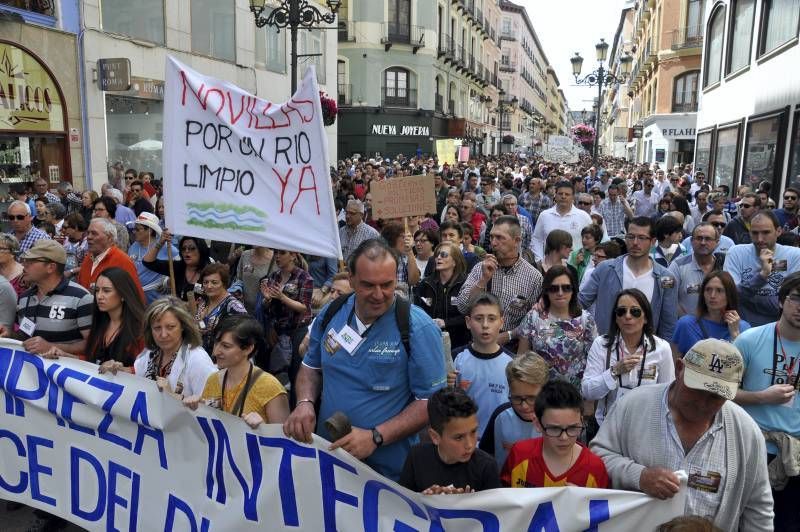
x=262, y=391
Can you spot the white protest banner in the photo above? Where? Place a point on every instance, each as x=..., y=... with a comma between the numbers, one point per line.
x=241, y=169
x=114, y=453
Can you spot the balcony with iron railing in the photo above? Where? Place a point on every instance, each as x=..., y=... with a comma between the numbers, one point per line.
x=507, y=34
x=507, y=65
x=688, y=37
x=397, y=33
x=345, y=94
x=399, y=97
x=446, y=47
x=439, y=103
x=685, y=102
x=346, y=31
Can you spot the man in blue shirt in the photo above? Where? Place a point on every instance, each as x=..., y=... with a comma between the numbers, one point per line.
x=758, y=269
x=769, y=390
x=367, y=372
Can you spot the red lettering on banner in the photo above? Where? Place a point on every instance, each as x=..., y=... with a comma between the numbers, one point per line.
x=301, y=188
x=284, y=182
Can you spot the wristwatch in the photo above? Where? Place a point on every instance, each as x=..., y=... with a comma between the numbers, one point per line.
x=377, y=438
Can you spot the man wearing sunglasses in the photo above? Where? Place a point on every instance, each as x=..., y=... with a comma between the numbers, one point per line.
x=692, y=424
x=787, y=215
x=19, y=214
x=738, y=229
x=636, y=269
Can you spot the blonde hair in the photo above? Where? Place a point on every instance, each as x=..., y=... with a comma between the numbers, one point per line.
x=458, y=258
x=190, y=333
x=529, y=368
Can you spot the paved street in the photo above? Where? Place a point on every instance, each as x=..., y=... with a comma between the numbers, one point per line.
x=20, y=520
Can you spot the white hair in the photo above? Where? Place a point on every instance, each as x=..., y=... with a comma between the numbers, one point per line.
x=115, y=194
x=356, y=203
x=20, y=203
x=108, y=227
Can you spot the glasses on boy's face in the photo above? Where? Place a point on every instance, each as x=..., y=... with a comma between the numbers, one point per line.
x=554, y=431
x=518, y=400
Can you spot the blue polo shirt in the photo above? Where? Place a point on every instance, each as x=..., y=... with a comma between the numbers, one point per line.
x=756, y=347
x=688, y=331
x=379, y=379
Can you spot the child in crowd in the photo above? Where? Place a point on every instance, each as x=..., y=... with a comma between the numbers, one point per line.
x=480, y=366
x=452, y=463
x=556, y=459
x=513, y=421
x=591, y=235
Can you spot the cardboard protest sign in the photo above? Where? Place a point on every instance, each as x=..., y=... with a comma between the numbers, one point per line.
x=241, y=169
x=403, y=196
x=446, y=151
x=114, y=453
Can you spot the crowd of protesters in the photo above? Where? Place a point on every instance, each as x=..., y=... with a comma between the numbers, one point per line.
x=549, y=325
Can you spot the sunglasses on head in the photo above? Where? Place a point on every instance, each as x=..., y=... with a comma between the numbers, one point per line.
x=563, y=288
x=636, y=312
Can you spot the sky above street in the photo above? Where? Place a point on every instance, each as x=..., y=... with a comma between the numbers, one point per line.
x=568, y=26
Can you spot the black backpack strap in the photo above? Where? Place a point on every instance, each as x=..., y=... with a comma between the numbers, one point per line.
x=402, y=314
x=334, y=307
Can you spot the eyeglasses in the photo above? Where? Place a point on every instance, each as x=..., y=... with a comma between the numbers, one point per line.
x=792, y=198
x=719, y=225
x=554, y=431
x=794, y=298
x=421, y=240
x=585, y=203
x=18, y=217
x=563, y=288
x=640, y=238
x=746, y=205
x=704, y=239
x=518, y=400
x=443, y=254
x=636, y=312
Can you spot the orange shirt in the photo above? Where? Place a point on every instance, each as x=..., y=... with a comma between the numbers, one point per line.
x=525, y=468
x=114, y=258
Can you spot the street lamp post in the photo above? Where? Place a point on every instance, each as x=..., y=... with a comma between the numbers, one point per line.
x=294, y=14
x=600, y=78
x=502, y=108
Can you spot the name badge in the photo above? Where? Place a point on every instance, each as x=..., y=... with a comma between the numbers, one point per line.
x=650, y=373
x=709, y=482
x=667, y=282
x=779, y=265
x=348, y=339
x=27, y=326
x=693, y=289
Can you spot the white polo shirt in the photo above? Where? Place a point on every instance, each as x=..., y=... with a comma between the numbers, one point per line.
x=572, y=222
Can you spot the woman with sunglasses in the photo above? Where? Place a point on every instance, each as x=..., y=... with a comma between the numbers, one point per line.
x=629, y=356
x=10, y=268
x=561, y=332
x=435, y=293
x=195, y=256
x=216, y=303
x=716, y=315
x=239, y=387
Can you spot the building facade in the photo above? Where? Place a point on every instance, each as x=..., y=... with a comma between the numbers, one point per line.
x=215, y=37
x=666, y=44
x=411, y=72
x=615, y=130
x=41, y=128
x=749, y=119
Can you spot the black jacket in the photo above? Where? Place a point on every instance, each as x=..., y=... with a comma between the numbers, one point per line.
x=436, y=300
x=736, y=231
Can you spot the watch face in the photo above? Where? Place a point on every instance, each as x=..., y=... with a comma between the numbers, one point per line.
x=376, y=437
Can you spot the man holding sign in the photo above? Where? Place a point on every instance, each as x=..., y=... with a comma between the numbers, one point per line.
x=360, y=354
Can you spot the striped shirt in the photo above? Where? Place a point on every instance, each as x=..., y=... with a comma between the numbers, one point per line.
x=705, y=462
x=30, y=238
x=352, y=238
x=61, y=314
x=613, y=216
x=518, y=287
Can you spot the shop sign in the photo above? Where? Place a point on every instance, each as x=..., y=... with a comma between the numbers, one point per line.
x=29, y=98
x=637, y=132
x=402, y=131
x=114, y=74
x=145, y=88
x=678, y=132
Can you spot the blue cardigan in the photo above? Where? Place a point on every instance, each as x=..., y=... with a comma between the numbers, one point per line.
x=605, y=283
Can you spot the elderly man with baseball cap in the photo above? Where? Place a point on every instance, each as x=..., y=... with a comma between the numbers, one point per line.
x=146, y=234
x=693, y=425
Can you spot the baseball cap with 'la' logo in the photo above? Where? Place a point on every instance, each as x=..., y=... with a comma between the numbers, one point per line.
x=713, y=366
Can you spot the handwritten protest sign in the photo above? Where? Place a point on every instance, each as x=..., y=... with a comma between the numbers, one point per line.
x=114, y=453
x=446, y=151
x=403, y=196
x=241, y=169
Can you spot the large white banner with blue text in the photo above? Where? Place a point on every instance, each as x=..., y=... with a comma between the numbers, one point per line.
x=238, y=168
x=114, y=453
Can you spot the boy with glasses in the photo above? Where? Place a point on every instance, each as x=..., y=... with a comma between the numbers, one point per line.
x=556, y=458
